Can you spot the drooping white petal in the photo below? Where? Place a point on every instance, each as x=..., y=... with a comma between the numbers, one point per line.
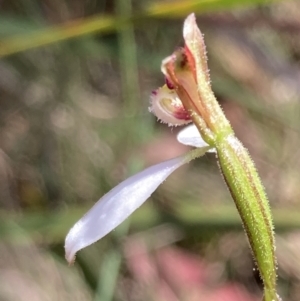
x=114, y=207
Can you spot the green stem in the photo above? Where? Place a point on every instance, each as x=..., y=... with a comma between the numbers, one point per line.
x=249, y=196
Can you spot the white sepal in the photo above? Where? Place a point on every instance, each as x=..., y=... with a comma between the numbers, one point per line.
x=190, y=136
x=114, y=207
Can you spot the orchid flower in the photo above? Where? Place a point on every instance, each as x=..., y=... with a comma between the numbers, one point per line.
x=187, y=97
x=114, y=207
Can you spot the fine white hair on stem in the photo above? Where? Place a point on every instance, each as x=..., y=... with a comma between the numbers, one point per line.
x=114, y=207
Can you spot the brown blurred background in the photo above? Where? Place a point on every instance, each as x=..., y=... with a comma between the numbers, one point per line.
x=75, y=80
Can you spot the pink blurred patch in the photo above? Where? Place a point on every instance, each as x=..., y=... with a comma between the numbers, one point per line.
x=231, y=292
x=172, y=274
x=180, y=267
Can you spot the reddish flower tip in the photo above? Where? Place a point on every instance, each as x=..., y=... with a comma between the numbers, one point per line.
x=169, y=84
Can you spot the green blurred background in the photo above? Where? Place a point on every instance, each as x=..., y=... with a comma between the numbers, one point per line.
x=75, y=80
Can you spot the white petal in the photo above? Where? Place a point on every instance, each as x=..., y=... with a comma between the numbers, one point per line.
x=190, y=136
x=114, y=207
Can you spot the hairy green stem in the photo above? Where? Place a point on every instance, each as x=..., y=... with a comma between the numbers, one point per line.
x=250, y=199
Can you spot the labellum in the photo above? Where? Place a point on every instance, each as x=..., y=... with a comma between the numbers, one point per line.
x=167, y=107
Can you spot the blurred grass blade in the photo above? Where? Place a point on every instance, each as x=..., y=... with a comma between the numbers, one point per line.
x=110, y=268
x=108, y=276
x=128, y=63
x=53, y=34
x=103, y=24
x=182, y=8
